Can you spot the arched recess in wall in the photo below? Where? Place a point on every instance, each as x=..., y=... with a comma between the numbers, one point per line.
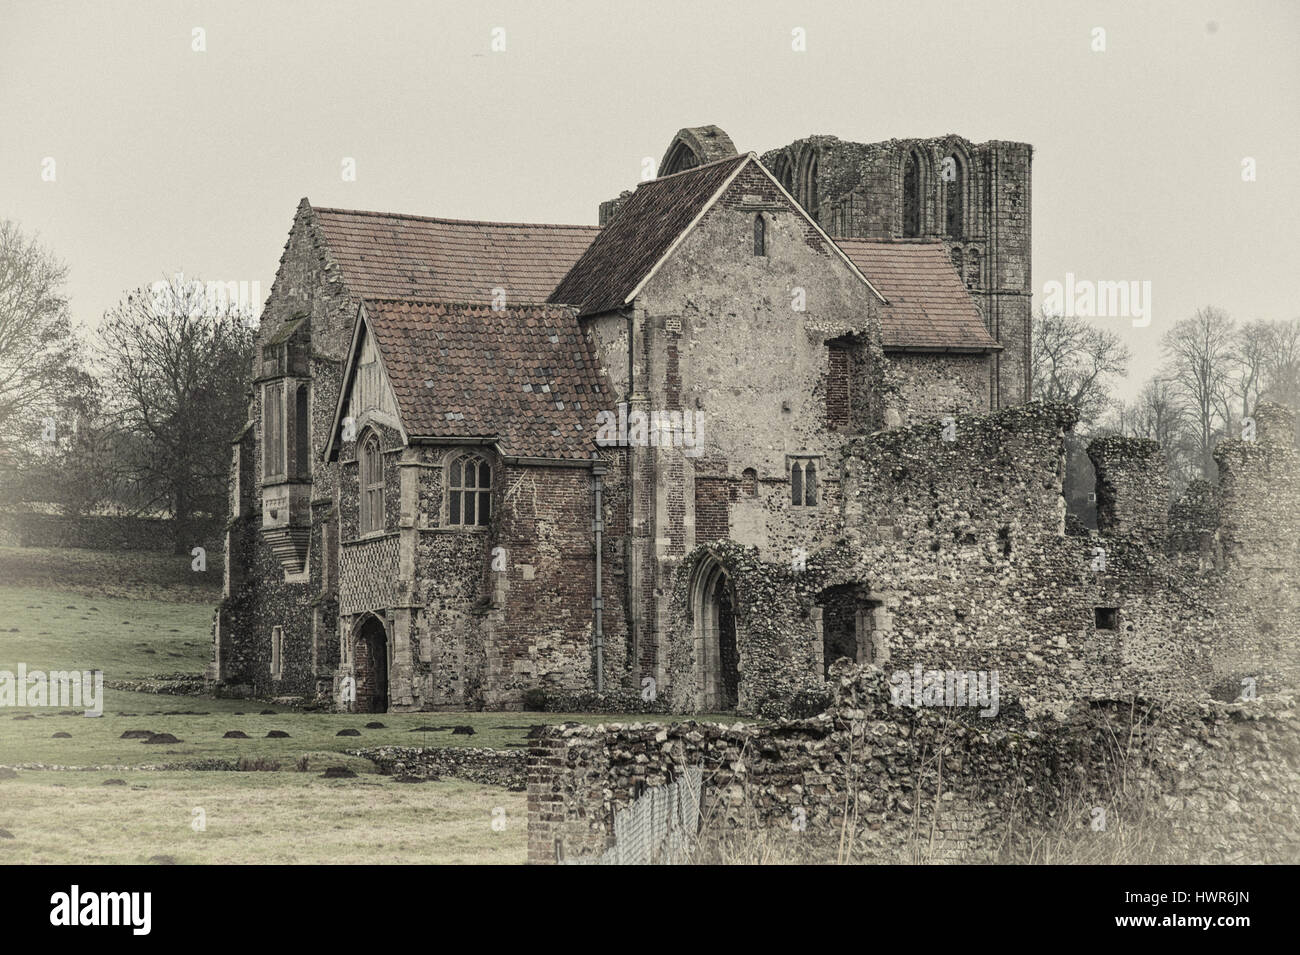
x=370, y=664
x=957, y=176
x=807, y=194
x=783, y=169
x=954, y=198
x=679, y=158
x=714, y=632
x=302, y=431
x=914, y=191
x=695, y=146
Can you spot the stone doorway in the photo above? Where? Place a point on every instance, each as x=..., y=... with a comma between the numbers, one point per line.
x=370, y=664
x=717, y=646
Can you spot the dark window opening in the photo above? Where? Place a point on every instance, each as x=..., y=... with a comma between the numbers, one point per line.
x=760, y=234
x=749, y=482
x=1107, y=618
x=911, y=197
x=803, y=484
x=301, y=434
x=954, y=183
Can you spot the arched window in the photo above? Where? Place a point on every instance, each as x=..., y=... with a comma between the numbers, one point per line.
x=469, y=492
x=803, y=483
x=302, y=434
x=371, y=461
x=749, y=482
x=912, y=196
x=760, y=234
x=954, y=185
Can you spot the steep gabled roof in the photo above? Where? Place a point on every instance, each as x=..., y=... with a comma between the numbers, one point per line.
x=386, y=255
x=648, y=227
x=640, y=235
x=927, y=306
x=525, y=377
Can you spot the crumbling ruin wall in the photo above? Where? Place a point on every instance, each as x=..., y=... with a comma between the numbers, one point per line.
x=1256, y=645
x=962, y=528
x=953, y=555
x=1213, y=782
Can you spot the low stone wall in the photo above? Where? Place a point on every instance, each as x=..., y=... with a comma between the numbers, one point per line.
x=1214, y=782
x=488, y=766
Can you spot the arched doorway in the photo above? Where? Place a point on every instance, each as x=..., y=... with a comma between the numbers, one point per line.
x=370, y=664
x=717, y=651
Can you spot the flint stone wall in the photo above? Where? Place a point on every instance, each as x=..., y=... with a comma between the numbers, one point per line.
x=488, y=766
x=1219, y=781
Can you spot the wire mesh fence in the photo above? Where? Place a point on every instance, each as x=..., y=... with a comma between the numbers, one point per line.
x=657, y=828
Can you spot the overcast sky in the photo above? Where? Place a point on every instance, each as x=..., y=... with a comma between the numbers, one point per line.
x=169, y=159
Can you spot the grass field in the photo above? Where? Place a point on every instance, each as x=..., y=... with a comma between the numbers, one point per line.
x=255, y=818
x=136, y=615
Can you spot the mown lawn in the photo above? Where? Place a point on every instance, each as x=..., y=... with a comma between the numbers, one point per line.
x=98, y=742
x=255, y=818
x=126, y=639
x=136, y=615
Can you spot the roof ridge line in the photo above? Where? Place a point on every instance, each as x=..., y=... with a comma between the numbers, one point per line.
x=418, y=218
x=683, y=172
x=448, y=303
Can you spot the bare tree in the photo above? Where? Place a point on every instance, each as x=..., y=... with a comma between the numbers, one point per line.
x=177, y=371
x=1251, y=348
x=1199, y=353
x=39, y=355
x=1073, y=361
x=1282, y=366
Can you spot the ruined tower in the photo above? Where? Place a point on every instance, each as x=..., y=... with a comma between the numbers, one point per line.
x=972, y=197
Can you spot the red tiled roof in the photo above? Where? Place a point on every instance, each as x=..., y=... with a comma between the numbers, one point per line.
x=525, y=374
x=929, y=306
x=385, y=255
x=639, y=235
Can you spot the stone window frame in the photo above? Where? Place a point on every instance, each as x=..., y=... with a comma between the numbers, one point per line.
x=760, y=235
x=274, y=434
x=482, y=495
x=372, y=518
x=798, y=467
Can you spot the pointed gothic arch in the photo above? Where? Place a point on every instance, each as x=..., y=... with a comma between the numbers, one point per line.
x=716, y=643
x=914, y=192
